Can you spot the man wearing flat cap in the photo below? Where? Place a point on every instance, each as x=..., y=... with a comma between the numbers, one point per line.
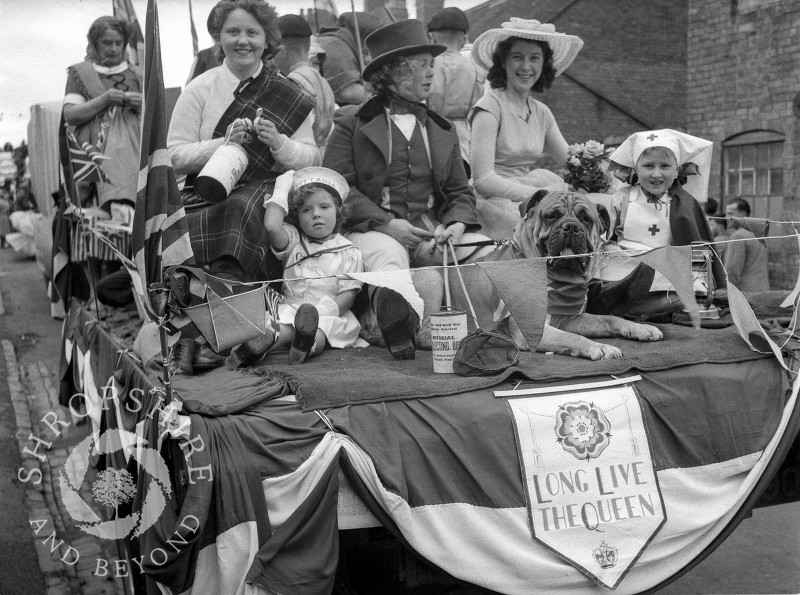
x=457, y=82
x=293, y=62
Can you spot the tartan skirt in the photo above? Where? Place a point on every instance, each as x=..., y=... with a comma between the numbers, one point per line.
x=234, y=228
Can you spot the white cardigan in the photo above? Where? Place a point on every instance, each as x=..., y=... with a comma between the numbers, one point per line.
x=197, y=113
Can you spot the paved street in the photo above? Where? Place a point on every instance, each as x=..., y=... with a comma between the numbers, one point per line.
x=41, y=550
x=762, y=556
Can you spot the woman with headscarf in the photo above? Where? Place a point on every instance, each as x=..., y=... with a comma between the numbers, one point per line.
x=102, y=102
x=249, y=102
x=511, y=130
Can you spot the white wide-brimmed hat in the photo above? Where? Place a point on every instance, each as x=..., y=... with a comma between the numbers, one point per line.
x=565, y=47
x=321, y=175
x=685, y=147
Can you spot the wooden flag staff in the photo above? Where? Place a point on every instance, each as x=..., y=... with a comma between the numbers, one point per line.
x=358, y=37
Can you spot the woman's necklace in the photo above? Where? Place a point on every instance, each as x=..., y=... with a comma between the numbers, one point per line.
x=522, y=107
x=527, y=113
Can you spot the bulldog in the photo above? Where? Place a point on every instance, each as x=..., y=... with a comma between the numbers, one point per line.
x=568, y=224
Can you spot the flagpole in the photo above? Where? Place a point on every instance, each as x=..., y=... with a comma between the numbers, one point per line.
x=159, y=224
x=160, y=306
x=159, y=290
x=195, y=43
x=358, y=37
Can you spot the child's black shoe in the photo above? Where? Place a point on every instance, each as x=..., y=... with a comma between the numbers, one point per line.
x=306, y=323
x=397, y=322
x=250, y=352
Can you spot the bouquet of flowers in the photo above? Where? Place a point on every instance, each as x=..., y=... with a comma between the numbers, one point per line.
x=587, y=167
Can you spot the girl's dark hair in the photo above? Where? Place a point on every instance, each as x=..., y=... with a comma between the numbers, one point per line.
x=297, y=198
x=103, y=24
x=381, y=79
x=497, y=73
x=261, y=11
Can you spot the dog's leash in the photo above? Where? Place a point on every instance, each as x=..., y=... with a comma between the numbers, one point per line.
x=445, y=270
x=483, y=243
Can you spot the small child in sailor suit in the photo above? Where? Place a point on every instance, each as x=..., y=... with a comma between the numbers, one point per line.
x=666, y=172
x=302, y=219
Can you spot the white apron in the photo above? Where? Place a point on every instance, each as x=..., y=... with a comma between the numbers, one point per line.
x=644, y=226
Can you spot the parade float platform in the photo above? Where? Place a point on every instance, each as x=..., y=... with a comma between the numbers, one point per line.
x=303, y=458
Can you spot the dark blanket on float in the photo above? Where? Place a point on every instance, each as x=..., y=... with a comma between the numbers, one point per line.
x=351, y=376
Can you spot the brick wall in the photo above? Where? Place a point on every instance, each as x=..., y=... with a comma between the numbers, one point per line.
x=582, y=115
x=743, y=68
x=612, y=89
x=743, y=72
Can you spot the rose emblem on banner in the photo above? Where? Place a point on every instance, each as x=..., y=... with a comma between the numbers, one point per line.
x=582, y=429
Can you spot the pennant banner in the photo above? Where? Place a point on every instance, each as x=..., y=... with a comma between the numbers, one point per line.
x=523, y=287
x=674, y=263
x=590, y=485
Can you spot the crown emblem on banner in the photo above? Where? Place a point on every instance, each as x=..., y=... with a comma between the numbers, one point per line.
x=606, y=555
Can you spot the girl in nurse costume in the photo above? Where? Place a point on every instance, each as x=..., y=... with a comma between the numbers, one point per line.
x=666, y=172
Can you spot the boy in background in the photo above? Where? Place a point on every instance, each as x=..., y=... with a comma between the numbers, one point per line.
x=457, y=82
x=293, y=62
x=745, y=258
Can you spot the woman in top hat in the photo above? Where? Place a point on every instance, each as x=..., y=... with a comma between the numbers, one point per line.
x=523, y=57
x=228, y=237
x=408, y=188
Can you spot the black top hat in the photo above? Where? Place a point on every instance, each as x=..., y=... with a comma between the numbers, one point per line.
x=449, y=18
x=292, y=25
x=403, y=38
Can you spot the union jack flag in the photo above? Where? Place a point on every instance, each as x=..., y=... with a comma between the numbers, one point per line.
x=160, y=230
x=86, y=160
